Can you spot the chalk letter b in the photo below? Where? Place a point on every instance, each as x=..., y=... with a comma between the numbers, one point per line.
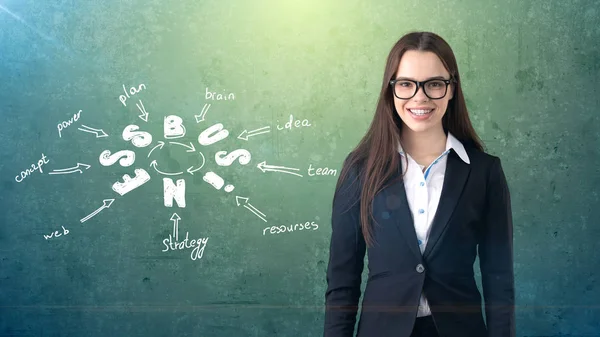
x=173, y=126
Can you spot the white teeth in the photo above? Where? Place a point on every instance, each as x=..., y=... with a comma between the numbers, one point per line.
x=420, y=112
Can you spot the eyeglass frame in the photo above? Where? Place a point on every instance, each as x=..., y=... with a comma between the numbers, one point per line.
x=421, y=84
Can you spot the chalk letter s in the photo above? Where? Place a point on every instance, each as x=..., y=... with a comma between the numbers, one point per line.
x=138, y=138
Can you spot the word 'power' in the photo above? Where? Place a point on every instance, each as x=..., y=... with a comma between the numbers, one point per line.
x=65, y=124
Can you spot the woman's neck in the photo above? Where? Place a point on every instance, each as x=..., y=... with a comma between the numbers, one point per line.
x=423, y=144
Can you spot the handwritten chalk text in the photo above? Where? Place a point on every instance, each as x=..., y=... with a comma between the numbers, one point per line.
x=209, y=95
x=293, y=123
x=198, y=245
x=24, y=174
x=57, y=233
x=66, y=124
x=291, y=228
x=132, y=91
x=320, y=171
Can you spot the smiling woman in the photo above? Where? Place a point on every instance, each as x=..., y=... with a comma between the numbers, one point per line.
x=404, y=194
x=421, y=110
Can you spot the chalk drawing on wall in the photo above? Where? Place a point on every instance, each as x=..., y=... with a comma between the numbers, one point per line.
x=172, y=243
x=175, y=138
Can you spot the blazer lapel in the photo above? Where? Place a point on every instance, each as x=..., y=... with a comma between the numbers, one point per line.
x=397, y=202
x=455, y=178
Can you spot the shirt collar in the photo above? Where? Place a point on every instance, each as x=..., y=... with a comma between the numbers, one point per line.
x=451, y=143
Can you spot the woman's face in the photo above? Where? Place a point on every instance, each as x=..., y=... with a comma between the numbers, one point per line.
x=420, y=113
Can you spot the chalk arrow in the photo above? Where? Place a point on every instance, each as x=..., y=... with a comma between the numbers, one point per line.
x=190, y=148
x=249, y=207
x=144, y=115
x=191, y=169
x=202, y=115
x=238, y=198
x=264, y=167
x=160, y=145
x=153, y=164
x=98, y=132
x=175, y=218
x=246, y=134
x=69, y=170
x=105, y=204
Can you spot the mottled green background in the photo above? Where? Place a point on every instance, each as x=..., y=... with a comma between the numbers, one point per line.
x=530, y=74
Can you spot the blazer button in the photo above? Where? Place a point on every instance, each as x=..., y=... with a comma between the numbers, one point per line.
x=420, y=268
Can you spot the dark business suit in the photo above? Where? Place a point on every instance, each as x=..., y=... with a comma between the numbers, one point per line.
x=473, y=216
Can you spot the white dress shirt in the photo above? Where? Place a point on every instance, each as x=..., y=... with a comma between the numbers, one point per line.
x=423, y=190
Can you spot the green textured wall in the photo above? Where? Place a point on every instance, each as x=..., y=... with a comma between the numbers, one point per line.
x=530, y=75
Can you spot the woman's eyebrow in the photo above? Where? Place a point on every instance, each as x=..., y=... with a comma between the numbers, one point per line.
x=430, y=78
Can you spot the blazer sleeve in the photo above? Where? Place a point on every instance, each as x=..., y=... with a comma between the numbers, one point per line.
x=346, y=260
x=496, y=256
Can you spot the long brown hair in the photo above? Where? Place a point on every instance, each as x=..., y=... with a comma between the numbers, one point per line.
x=377, y=153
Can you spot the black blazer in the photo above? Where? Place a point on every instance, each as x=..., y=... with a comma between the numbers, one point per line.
x=473, y=217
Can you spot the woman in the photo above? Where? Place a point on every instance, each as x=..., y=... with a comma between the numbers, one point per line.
x=422, y=198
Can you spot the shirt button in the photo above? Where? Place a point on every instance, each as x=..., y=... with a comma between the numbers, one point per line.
x=420, y=242
x=420, y=268
x=421, y=211
x=422, y=184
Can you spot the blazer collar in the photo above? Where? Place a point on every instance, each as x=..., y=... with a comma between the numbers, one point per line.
x=451, y=143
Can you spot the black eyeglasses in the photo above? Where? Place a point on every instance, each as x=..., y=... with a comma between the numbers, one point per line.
x=434, y=88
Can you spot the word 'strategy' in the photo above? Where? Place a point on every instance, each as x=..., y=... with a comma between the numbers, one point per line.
x=24, y=174
x=173, y=243
x=291, y=228
x=57, y=233
x=65, y=124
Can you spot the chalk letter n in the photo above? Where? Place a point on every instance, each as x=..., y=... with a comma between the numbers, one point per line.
x=174, y=192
